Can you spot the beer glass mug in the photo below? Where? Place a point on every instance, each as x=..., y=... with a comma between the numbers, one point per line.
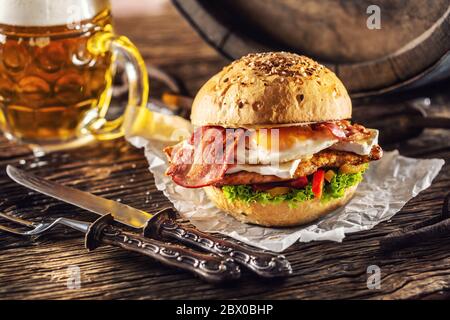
x=57, y=60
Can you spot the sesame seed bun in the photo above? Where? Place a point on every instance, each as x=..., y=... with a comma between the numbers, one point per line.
x=267, y=89
x=280, y=214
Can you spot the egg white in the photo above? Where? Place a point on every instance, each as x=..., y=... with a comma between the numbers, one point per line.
x=300, y=149
x=284, y=170
x=361, y=147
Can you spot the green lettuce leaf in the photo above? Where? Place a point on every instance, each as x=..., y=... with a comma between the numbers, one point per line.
x=333, y=190
x=340, y=182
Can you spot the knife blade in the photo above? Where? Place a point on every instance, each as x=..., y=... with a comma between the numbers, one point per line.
x=162, y=224
x=123, y=213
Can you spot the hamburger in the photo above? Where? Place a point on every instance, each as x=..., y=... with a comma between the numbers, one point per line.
x=274, y=144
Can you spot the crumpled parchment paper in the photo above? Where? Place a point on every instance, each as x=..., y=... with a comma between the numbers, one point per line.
x=388, y=185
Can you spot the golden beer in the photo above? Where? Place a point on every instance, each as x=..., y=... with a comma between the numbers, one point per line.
x=55, y=80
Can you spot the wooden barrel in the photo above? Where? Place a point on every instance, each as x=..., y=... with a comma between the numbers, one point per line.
x=410, y=48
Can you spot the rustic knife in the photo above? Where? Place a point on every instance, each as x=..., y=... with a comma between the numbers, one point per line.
x=160, y=225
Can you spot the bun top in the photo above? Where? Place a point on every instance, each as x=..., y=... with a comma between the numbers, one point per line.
x=271, y=89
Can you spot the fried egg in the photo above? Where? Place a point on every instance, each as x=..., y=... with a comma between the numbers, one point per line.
x=284, y=170
x=292, y=149
x=280, y=145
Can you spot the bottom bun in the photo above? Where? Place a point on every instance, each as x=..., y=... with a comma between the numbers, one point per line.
x=277, y=215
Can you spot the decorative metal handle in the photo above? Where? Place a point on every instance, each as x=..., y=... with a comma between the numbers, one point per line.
x=208, y=267
x=263, y=263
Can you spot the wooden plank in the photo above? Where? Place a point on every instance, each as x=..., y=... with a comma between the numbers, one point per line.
x=27, y=270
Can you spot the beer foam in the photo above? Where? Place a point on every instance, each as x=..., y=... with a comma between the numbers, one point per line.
x=38, y=13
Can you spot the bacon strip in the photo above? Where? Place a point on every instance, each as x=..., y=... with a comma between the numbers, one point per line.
x=205, y=158
x=334, y=129
x=344, y=130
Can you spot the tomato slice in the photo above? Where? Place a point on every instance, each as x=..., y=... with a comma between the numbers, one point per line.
x=317, y=183
x=300, y=182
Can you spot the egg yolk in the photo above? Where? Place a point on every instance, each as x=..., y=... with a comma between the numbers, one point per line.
x=285, y=137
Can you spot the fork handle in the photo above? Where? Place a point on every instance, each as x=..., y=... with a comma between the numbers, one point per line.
x=265, y=264
x=210, y=268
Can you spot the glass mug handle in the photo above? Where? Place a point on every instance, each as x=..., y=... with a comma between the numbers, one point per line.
x=138, y=87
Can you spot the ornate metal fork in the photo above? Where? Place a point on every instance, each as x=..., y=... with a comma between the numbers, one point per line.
x=102, y=232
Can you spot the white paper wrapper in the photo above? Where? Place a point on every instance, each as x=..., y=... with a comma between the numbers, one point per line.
x=388, y=185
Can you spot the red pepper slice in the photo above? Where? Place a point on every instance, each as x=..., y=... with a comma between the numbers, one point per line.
x=300, y=182
x=317, y=183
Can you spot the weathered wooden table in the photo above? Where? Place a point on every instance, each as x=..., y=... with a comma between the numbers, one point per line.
x=116, y=170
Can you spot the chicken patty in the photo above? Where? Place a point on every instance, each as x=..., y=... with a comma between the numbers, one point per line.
x=327, y=158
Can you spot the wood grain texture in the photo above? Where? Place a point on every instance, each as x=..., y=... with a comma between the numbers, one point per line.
x=116, y=170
